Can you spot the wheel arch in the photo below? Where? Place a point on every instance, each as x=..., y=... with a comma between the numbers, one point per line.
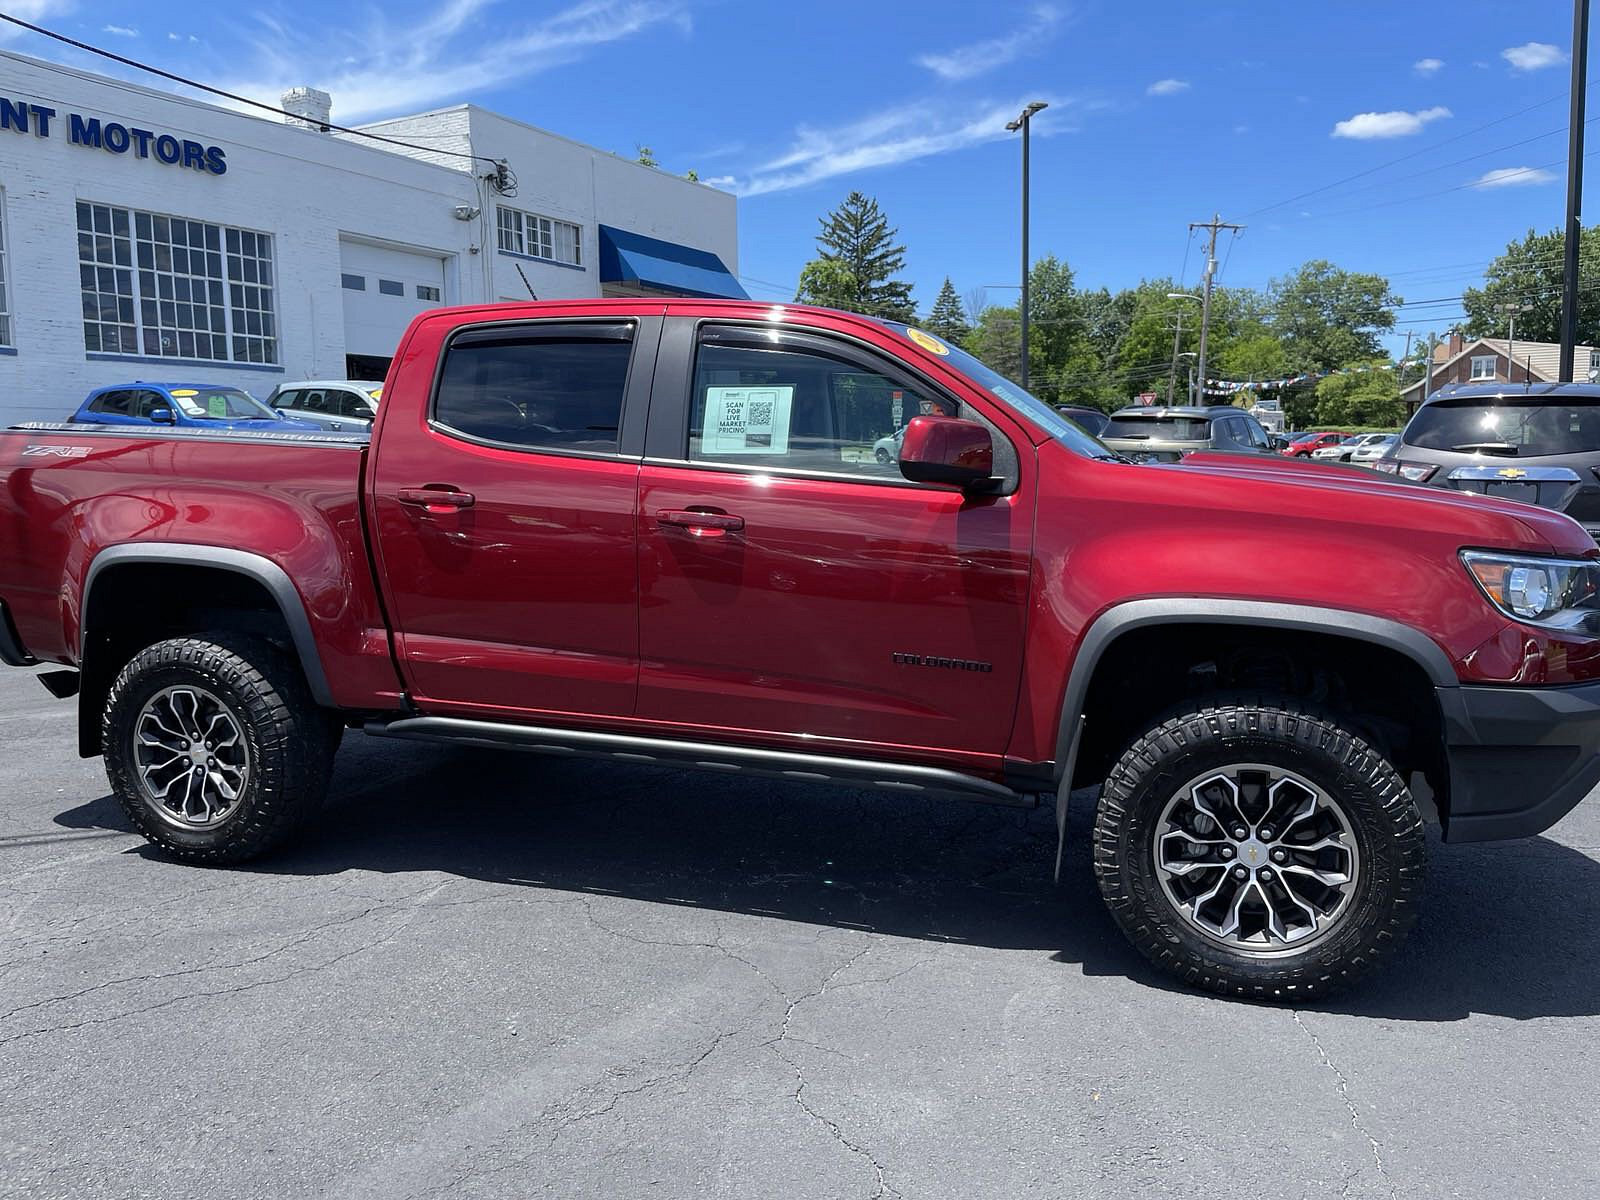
x=257, y=583
x=1132, y=616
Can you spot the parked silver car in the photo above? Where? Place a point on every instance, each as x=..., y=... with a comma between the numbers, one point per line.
x=340, y=405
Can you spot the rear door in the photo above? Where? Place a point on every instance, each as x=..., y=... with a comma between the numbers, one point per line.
x=795, y=590
x=503, y=504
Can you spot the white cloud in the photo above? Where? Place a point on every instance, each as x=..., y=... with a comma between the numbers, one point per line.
x=1534, y=56
x=1387, y=124
x=1513, y=177
x=885, y=139
x=1427, y=66
x=1167, y=87
x=120, y=31
x=409, y=65
x=1241, y=129
x=966, y=62
x=35, y=12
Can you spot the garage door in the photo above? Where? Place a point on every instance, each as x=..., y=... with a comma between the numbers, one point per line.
x=383, y=289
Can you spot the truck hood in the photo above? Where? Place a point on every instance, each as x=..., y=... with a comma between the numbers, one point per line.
x=1320, y=489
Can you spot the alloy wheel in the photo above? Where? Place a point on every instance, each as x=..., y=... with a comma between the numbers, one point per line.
x=192, y=759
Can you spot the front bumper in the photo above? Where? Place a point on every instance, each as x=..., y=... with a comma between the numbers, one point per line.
x=1520, y=758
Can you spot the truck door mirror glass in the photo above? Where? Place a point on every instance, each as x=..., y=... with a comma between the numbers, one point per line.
x=948, y=451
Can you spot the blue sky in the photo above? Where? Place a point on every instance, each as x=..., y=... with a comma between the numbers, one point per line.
x=1160, y=114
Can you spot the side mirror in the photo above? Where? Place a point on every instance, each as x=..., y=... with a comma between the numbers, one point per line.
x=947, y=450
x=161, y=416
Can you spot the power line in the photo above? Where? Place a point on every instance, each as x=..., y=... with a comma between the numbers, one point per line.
x=238, y=99
x=1404, y=157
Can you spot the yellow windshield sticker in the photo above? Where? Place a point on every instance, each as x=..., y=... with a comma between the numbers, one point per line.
x=928, y=342
x=184, y=392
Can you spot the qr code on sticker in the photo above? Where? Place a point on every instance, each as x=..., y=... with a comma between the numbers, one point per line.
x=761, y=412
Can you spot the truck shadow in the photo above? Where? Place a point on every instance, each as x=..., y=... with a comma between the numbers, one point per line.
x=1511, y=930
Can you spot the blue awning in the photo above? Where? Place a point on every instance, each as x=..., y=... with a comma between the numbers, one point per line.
x=665, y=266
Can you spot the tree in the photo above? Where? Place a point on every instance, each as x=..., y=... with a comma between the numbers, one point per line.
x=1329, y=318
x=996, y=340
x=1369, y=397
x=947, y=319
x=828, y=283
x=857, y=236
x=1530, y=272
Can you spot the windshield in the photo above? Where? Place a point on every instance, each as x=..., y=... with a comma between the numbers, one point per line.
x=1166, y=429
x=1030, y=406
x=1508, y=428
x=1303, y=437
x=221, y=404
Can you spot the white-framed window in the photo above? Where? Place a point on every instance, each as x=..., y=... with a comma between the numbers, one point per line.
x=1483, y=366
x=539, y=237
x=1594, y=364
x=5, y=280
x=168, y=287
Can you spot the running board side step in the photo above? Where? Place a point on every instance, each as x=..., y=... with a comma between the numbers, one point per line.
x=780, y=764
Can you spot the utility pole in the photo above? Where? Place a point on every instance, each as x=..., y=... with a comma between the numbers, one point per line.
x=1177, y=344
x=1214, y=225
x=1022, y=123
x=1569, y=277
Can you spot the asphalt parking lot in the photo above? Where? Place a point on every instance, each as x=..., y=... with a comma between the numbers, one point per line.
x=497, y=975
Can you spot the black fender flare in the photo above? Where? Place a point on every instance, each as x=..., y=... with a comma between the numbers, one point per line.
x=1188, y=610
x=240, y=562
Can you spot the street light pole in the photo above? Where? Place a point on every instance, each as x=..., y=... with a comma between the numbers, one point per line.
x=1511, y=339
x=1177, y=340
x=1574, y=224
x=1012, y=126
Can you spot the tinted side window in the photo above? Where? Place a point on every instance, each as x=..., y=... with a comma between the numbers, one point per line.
x=352, y=405
x=1256, y=435
x=793, y=408
x=557, y=388
x=148, y=402
x=287, y=400
x=118, y=404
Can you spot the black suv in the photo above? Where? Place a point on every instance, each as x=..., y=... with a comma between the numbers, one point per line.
x=1148, y=433
x=1537, y=443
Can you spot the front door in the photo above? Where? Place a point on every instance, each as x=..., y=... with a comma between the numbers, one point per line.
x=795, y=589
x=504, y=511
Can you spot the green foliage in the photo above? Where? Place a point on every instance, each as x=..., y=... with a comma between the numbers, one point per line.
x=828, y=283
x=647, y=156
x=1530, y=272
x=1360, y=398
x=997, y=340
x=1328, y=317
x=857, y=236
x=947, y=318
x=692, y=175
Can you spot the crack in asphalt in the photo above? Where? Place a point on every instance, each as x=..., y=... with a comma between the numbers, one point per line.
x=412, y=902
x=1342, y=1086
x=801, y=1083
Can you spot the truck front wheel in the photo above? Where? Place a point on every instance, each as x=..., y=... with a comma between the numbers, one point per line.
x=1256, y=849
x=215, y=748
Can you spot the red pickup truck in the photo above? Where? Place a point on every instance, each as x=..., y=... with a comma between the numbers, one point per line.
x=657, y=529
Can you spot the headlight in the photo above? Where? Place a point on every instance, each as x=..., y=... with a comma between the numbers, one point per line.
x=1558, y=593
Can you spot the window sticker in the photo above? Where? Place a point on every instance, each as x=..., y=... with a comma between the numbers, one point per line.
x=218, y=405
x=743, y=420
x=928, y=342
x=186, y=401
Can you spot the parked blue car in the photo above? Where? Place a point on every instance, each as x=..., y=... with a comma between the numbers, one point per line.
x=184, y=406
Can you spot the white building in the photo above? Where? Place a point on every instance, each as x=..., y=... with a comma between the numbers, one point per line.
x=150, y=236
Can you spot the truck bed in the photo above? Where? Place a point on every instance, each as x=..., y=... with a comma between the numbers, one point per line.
x=71, y=492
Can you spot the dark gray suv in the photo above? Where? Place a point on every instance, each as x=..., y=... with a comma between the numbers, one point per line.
x=1539, y=444
x=1147, y=433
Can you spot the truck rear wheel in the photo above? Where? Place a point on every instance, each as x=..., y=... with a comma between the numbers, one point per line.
x=1259, y=850
x=215, y=748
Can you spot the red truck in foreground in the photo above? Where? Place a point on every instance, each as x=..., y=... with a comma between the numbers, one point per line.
x=658, y=530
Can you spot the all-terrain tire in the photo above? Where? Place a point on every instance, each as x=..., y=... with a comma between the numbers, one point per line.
x=1383, y=820
x=290, y=743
